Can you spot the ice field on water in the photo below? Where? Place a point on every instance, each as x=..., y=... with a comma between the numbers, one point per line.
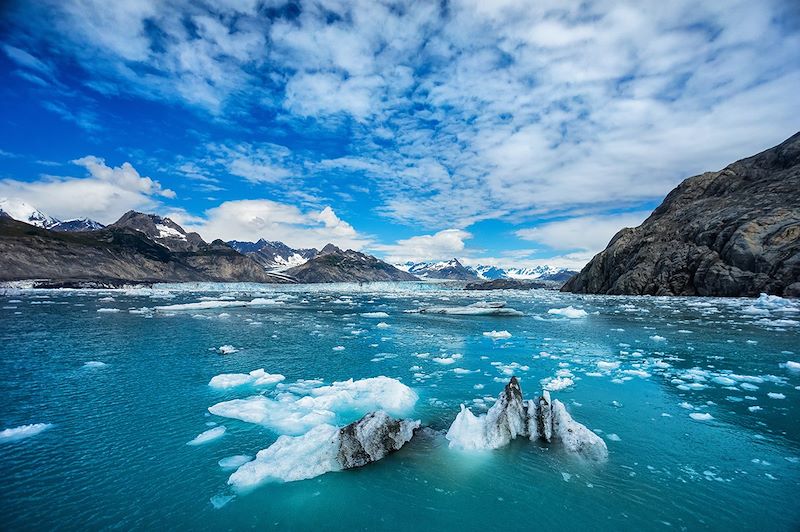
x=141, y=408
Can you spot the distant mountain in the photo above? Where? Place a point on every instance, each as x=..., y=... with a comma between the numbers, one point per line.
x=273, y=255
x=541, y=273
x=24, y=212
x=332, y=265
x=77, y=224
x=735, y=232
x=451, y=269
x=120, y=253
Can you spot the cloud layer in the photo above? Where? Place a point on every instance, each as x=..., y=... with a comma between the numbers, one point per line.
x=550, y=117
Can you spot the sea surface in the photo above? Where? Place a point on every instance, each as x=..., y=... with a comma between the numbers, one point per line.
x=697, y=399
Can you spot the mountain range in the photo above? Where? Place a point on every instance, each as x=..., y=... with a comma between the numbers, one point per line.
x=148, y=248
x=454, y=269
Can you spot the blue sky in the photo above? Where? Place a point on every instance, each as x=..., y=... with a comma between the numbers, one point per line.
x=503, y=132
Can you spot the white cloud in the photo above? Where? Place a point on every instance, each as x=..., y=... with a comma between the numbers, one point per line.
x=583, y=233
x=262, y=218
x=104, y=195
x=443, y=245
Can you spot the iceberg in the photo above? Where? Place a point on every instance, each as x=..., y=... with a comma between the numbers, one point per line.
x=511, y=417
x=326, y=448
x=303, y=408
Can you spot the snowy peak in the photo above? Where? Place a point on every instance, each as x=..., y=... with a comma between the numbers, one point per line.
x=162, y=230
x=24, y=212
x=77, y=224
x=272, y=254
x=450, y=269
x=542, y=273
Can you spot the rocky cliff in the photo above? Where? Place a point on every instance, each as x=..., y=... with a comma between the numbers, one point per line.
x=735, y=232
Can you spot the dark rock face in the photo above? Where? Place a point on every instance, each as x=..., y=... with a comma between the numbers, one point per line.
x=114, y=255
x=332, y=265
x=735, y=232
x=505, y=284
x=372, y=437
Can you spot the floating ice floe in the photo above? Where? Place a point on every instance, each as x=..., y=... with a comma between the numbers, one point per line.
x=554, y=384
x=511, y=417
x=235, y=461
x=23, y=431
x=374, y=315
x=776, y=395
x=308, y=404
x=794, y=366
x=326, y=448
x=227, y=349
x=107, y=310
x=95, y=364
x=257, y=377
x=701, y=416
x=569, y=312
x=383, y=325
x=212, y=304
x=497, y=335
x=481, y=308
x=207, y=436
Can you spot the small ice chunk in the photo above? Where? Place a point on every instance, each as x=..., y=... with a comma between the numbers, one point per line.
x=568, y=312
x=338, y=348
x=657, y=338
x=701, y=416
x=613, y=437
x=235, y=461
x=775, y=395
x=795, y=366
x=207, y=436
x=95, y=364
x=227, y=349
x=23, y=431
x=382, y=325
x=374, y=315
x=218, y=501
x=107, y=310
x=497, y=335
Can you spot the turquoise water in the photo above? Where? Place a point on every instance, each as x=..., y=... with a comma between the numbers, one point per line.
x=116, y=453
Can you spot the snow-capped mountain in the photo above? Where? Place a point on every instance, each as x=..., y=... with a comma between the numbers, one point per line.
x=24, y=212
x=77, y=224
x=450, y=269
x=453, y=269
x=161, y=230
x=544, y=273
x=273, y=255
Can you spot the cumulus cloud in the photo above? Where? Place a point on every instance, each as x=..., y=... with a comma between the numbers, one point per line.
x=582, y=233
x=104, y=194
x=262, y=218
x=443, y=245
